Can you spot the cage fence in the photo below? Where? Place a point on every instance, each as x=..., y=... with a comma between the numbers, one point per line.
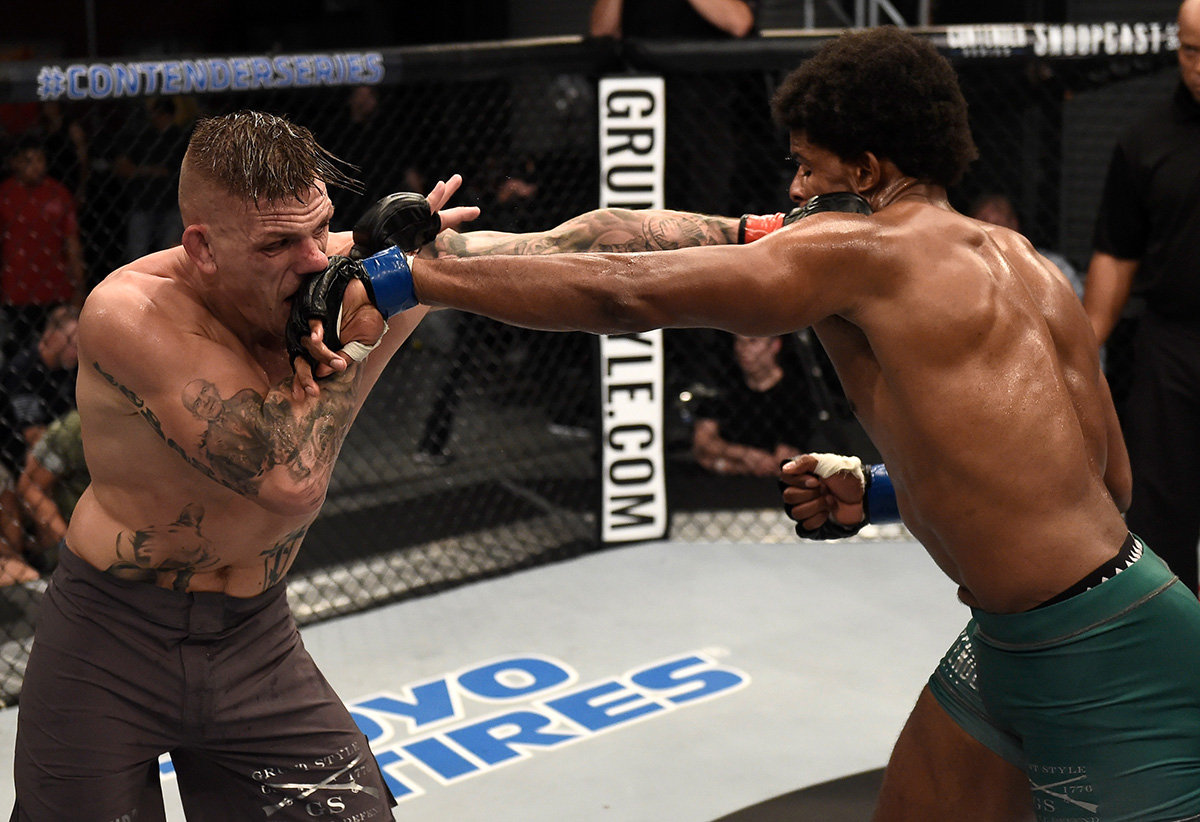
x=477, y=452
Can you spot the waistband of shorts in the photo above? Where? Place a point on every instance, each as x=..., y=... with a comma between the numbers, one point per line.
x=196, y=612
x=1148, y=577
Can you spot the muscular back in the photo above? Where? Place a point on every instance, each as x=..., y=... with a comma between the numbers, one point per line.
x=967, y=357
x=975, y=372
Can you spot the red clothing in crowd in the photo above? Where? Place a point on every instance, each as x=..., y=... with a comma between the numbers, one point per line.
x=35, y=224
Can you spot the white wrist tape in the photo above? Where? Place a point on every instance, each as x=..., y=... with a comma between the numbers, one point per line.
x=830, y=464
x=355, y=350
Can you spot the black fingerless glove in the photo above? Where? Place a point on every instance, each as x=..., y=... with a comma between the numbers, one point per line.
x=402, y=219
x=320, y=298
x=844, y=201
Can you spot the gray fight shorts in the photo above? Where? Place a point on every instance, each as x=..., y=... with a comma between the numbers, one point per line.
x=122, y=672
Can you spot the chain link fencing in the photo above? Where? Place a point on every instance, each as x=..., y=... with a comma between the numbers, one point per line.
x=477, y=452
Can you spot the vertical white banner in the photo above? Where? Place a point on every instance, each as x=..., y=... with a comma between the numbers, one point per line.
x=633, y=480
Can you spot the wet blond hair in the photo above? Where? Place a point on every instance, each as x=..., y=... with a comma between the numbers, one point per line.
x=258, y=157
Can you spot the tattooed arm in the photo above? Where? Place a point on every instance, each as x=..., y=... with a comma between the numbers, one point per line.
x=613, y=229
x=204, y=405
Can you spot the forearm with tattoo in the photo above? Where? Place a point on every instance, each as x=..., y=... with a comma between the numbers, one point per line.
x=248, y=434
x=604, y=230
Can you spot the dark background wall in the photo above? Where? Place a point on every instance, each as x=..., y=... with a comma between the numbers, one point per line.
x=81, y=28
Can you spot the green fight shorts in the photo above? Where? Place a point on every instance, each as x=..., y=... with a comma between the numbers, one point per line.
x=1096, y=698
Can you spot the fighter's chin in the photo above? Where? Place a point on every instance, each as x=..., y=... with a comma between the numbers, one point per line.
x=279, y=325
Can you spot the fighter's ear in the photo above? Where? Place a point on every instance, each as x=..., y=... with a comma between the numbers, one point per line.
x=198, y=248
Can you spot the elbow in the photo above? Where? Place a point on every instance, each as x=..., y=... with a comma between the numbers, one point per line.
x=626, y=317
x=1122, y=497
x=1120, y=488
x=293, y=500
x=624, y=304
x=742, y=26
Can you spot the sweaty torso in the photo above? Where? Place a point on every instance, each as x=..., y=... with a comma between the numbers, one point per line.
x=976, y=375
x=181, y=477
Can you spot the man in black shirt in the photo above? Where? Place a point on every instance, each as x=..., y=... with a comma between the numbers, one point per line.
x=148, y=163
x=761, y=419
x=1147, y=244
x=701, y=175
x=39, y=386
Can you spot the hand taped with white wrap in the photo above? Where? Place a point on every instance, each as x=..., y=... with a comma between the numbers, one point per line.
x=824, y=494
x=831, y=496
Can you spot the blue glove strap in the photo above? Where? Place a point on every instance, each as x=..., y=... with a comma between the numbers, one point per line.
x=880, y=498
x=391, y=277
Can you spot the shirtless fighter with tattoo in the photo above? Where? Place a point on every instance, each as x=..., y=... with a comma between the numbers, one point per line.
x=164, y=628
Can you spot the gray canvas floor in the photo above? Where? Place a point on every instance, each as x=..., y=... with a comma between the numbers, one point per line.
x=809, y=656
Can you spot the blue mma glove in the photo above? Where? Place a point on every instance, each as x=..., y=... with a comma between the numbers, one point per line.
x=879, y=501
x=387, y=277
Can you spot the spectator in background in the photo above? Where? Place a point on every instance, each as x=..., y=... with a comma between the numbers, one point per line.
x=998, y=209
x=41, y=261
x=716, y=133
x=148, y=163
x=13, y=567
x=39, y=386
x=689, y=19
x=1147, y=244
x=361, y=137
x=66, y=146
x=54, y=478
x=761, y=420
x=699, y=172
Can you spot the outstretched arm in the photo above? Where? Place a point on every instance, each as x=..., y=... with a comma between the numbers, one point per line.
x=611, y=229
x=771, y=281
x=785, y=281
x=767, y=287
